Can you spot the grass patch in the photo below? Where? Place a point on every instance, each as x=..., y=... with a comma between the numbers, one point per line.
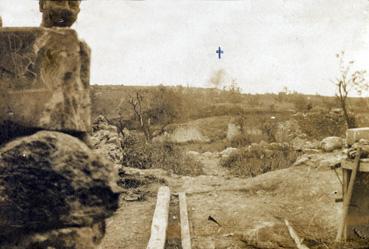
x=139, y=154
x=255, y=159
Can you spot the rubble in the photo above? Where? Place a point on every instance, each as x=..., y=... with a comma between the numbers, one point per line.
x=106, y=140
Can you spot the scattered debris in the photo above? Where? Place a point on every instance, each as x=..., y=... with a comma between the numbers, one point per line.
x=210, y=218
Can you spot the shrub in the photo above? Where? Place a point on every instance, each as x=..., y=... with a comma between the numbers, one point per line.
x=245, y=139
x=255, y=160
x=136, y=153
x=139, y=154
x=319, y=125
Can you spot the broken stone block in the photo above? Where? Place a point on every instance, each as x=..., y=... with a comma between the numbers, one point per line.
x=354, y=135
x=52, y=180
x=44, y=81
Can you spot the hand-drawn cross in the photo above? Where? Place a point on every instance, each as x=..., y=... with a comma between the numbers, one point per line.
x=219, y=52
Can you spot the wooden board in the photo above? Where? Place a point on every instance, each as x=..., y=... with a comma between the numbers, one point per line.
x=348, y=164
x=357, y=221
x=185, y=227
x=160, y=220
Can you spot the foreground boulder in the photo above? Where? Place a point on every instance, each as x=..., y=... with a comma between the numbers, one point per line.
x=65, y=238
x=51, y=181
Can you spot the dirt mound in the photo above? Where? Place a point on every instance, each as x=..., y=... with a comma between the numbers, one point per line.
x=183, y=134
x=251, y=211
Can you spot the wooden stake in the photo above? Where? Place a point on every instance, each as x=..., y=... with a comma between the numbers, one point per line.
x=160, y=220
x=347, y=198
x=185, y=227
x=294, y=236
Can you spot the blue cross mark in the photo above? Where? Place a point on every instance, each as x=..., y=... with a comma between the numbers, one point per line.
x=219, y=52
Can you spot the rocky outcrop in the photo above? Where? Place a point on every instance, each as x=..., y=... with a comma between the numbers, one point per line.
x=51, y=181
x=44, y=82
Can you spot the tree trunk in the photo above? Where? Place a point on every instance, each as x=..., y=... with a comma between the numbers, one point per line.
x=350, y=123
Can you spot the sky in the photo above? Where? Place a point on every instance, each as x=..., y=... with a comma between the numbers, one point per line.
x=268, y=44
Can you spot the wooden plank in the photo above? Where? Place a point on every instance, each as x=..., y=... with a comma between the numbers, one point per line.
x=347, y=197
x=185, y=227
x=160, y=220
x=345, y=181
x=349, y=164
x=294, y=236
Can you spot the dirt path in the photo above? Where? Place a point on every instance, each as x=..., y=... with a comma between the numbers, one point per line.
x=211, y=167
x=130, y=226
x=249, y=212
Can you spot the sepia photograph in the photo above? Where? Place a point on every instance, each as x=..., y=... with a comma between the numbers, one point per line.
x=184, y=124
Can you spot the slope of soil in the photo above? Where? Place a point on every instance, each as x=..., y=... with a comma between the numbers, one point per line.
x=249, y=213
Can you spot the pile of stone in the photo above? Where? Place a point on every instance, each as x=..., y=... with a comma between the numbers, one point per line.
x=55, y=191
x=106, y=140
x=356, y=139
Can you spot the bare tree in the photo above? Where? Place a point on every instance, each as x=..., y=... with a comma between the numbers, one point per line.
x=348, y=80
x=136, y=103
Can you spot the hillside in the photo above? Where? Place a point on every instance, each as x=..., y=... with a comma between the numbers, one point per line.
x=112, y=101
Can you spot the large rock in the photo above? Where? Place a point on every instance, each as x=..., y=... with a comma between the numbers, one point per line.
x=330, y=144
x=44, y=81
x=51, y=180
